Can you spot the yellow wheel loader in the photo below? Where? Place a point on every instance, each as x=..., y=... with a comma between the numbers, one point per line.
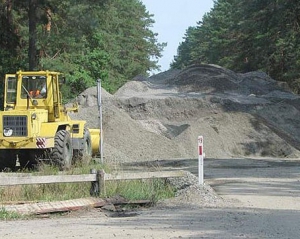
x=35, y=125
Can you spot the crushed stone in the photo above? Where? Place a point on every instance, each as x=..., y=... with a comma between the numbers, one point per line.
x=161, y=117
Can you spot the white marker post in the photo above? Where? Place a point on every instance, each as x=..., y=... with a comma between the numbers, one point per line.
x=200, y=161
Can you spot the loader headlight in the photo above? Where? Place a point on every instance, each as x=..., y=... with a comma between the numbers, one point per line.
x=33, y=116
x=7, y=132
x=34, y=102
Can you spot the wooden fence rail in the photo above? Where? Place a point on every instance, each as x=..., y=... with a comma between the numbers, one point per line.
x=96, y=177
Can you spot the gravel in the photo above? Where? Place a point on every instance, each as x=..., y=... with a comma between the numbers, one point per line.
x=161, y=117
x=189, y=192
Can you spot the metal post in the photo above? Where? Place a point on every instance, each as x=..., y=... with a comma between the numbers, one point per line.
x=99, y=94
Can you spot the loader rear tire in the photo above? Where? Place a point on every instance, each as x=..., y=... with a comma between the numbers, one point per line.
x=62, y=152
x=87, y=145
x=84, y=155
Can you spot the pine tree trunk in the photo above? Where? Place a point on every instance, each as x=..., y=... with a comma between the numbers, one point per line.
x=32, y=52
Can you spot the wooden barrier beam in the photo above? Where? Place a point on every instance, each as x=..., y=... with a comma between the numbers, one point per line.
x=145, y=175
x=97, y=179
x=25, y=180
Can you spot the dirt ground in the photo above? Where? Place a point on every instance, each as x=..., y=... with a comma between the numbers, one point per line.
x=250, y=125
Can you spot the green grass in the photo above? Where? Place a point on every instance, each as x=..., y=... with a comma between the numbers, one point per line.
x=5, y=215
x=150, y=189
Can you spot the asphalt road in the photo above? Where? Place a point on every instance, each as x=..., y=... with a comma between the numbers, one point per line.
x=257, y=183
x=265, y=183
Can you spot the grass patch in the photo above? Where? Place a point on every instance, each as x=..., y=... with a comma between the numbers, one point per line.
x=5, y=215
x=150, y=189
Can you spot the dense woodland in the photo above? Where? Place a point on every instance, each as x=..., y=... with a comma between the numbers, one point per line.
x=84, y=39
x=113, y=39
x=247, y=35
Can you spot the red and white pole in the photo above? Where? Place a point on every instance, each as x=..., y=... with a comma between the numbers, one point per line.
x=200, y=160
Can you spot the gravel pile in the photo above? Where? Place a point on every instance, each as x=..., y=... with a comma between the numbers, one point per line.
x=189, y=192
x=161, y=117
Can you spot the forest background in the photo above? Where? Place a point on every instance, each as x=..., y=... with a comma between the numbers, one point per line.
x=113, y=40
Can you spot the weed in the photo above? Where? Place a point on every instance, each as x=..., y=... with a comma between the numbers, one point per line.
x=150, y=189
x=5, y=215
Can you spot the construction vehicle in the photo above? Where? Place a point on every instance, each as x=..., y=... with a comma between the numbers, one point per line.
x=35, y=126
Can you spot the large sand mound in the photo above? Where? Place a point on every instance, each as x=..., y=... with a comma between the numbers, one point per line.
x=161, y=117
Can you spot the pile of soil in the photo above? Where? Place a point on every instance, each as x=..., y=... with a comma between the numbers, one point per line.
x=160, y=117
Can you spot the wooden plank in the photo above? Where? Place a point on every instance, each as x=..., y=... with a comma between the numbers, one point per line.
x=69, y=205
x=26, y=180
x=145, y=175
x=58, y=206
x=2, y=174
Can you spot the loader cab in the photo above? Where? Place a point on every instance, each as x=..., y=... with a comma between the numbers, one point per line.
x=33, y=90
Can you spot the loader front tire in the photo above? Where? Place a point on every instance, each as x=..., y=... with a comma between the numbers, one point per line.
x=62, y=152
x=8, y=160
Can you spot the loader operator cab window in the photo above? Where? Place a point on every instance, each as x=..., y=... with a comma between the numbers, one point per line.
x=11, y=90
x=34, y=87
